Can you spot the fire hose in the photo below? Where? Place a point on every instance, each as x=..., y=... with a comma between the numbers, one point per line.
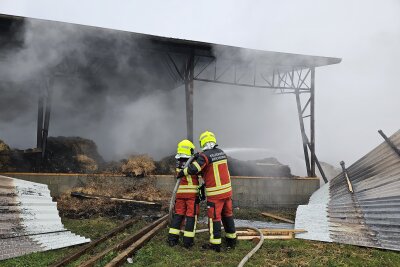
x=171, y=214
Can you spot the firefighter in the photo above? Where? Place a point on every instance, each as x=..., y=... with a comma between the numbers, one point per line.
x=213, y=167
x=187, y=199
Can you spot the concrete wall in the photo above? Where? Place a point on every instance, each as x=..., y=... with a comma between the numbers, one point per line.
x=257, y=192
x=58, y=182
x=263, y=192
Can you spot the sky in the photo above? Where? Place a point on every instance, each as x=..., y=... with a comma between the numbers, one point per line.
x=353, y=99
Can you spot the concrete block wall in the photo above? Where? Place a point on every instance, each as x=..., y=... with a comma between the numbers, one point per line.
x=57, y=183
x=262, y=192
x=256, y=192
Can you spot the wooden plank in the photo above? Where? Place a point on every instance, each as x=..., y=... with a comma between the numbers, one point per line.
x=248, y=237
x=88, y=196
x=121, y=258
x=283, y=230
x=92, y=244
x=266, y=214
x=123, y=244
x=273, y=237
x=279, y=237
x=272, y=231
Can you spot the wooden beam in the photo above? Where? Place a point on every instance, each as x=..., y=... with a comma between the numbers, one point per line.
x=123, y=244
x=121, y=258
x=76, y=255
x=276, y=217
x=272, y=231
x=272, y=237
x=88, y=196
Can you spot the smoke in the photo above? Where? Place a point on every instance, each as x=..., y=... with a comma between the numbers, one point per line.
x=125, y=115
x=104, y=88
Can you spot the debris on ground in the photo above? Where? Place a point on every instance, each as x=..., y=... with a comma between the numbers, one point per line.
x=140, y=189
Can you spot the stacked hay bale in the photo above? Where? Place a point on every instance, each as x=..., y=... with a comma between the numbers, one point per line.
x=72, y=154
x=4, y=156
x=138, y=166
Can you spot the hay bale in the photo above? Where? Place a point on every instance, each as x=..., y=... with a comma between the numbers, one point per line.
x=85, y=163
x=138, y=166
x=166, y=165
x=4, y=156
x=4, y=147
x=112, y=167
x=72, y=154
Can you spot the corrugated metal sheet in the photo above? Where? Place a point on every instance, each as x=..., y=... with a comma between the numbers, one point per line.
x=368, y=217
x=29, y=220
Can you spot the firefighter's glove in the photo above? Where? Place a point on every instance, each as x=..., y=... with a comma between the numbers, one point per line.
x=180, y=174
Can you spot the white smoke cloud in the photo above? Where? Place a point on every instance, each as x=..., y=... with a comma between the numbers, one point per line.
x=353, y=99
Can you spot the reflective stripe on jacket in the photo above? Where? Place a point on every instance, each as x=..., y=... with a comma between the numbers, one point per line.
x=213, y=166
x=188, y=187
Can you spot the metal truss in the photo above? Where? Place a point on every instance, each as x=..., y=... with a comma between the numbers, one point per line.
x=282, y=79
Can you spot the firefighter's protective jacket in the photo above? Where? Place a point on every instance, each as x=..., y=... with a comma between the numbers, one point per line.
x=213, y=166
x=188, y=187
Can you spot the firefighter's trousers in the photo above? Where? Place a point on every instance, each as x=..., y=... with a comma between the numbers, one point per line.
x=220, y=210
x=189, y=208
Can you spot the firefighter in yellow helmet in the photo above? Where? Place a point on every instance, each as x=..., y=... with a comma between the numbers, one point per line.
x=213, y=166
x=187, y=200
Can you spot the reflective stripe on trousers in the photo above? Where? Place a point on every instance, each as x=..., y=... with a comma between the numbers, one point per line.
x=215, y=232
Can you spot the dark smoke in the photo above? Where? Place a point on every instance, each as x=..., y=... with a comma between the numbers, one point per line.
x=109, y=88
x=98, y=81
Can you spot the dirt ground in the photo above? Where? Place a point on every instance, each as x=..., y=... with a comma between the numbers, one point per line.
x=108, y=186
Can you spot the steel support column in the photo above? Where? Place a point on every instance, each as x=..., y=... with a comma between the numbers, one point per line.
x=46, y=124
x=189, y=75
x=39, y=133
x=303, y=132
x=312, y=122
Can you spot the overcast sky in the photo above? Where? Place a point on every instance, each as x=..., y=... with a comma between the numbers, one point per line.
x=353, y=99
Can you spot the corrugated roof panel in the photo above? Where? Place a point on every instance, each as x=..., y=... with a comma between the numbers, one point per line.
x=29, y=220
x=368, y=217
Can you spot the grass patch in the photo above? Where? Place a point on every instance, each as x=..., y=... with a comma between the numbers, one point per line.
x=294, y=252
x=92, y=228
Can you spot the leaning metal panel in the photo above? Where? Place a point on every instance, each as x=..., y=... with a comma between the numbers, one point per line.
x=29, y=220
x=369, y=216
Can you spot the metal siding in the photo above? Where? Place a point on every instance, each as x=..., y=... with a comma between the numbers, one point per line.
x=369, y=217
x=29, y=220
